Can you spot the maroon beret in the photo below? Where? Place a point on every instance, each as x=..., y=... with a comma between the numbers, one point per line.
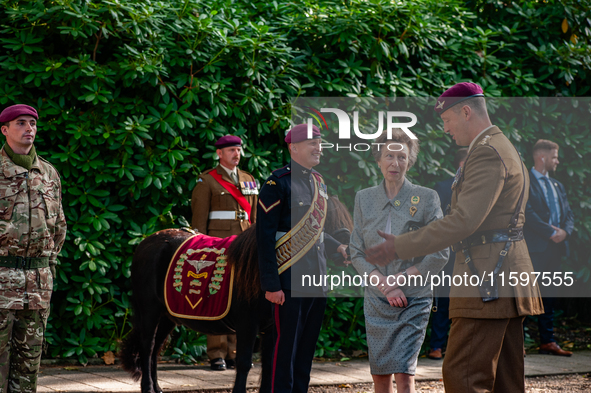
x=456, y=94
x=299, y=133
x=228, y=141
x=14, y=111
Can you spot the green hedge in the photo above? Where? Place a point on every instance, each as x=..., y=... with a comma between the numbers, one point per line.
x=133, y=93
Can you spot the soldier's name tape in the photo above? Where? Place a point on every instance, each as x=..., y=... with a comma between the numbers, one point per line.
x=228, y=215
x=513, y=279
x=280, y=234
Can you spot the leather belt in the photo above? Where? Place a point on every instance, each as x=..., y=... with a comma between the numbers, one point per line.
x=228, y=215
x=24, y=262
x=280, y=234
x=485, y=237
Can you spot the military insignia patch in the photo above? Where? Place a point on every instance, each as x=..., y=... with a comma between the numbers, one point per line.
x=268, y=209
x=415, y=200
x=397, y=203
x=271, y=183
x=457, y=177
x=440, y=104
x=485, y=140
x=413, y=210
x=323, y=190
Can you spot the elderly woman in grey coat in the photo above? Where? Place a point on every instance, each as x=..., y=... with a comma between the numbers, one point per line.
x=398, y=296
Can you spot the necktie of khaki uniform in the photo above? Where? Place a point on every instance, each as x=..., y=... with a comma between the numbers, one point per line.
x=235, y=178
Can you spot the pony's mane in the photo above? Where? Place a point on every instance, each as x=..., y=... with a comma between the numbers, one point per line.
x=243, y=255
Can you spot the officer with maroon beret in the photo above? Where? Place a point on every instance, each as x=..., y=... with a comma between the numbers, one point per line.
x=32, y=232
x=287, y=199
x=485, y=229
x=224, y=204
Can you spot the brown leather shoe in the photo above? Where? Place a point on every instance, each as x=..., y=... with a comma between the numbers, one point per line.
x=553, y=349
x=435, y=354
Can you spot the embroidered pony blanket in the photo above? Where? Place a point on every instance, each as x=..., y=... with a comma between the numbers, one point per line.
x=198, y=283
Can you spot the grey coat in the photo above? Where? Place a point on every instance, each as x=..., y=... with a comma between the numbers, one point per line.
x=395, y=335
x=372, y=209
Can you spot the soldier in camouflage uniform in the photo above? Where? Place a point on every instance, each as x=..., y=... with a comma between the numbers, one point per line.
x=32, y=232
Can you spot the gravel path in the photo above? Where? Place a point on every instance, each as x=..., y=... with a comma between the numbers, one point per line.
x=574, y=383
x=557, y=383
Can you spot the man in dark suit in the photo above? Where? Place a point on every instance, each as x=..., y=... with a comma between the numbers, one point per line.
x=549, y=222
x=440, y=321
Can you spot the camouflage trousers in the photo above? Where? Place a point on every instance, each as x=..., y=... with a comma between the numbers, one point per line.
x=21, y=341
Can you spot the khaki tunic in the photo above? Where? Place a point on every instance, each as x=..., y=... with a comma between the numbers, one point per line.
x=209, y=195
x=32, y=224
x=484, y=199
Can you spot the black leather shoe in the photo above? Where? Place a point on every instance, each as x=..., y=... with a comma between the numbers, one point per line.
x=218, y=364
x=230, y=364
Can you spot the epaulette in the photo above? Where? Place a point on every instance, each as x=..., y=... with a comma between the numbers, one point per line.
x=247, y=173
x=200, y=177
x=286, y=170
x=48, y=163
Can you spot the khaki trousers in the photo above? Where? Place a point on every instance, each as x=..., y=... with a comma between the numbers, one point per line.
x=221, y=346
x=484, y=355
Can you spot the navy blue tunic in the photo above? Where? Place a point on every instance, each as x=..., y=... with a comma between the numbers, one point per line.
x=286, y=197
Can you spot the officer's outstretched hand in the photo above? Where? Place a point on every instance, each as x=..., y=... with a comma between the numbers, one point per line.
x=275, y=297
x=383, y=253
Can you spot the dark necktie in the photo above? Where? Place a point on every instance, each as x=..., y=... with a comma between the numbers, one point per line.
x=551, y=202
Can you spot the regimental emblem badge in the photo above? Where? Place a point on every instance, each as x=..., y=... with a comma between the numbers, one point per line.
x=485, y=141
x=415, y=200
x=396, y=203
x=440, y=104
x=413, y=210
x=271, y=183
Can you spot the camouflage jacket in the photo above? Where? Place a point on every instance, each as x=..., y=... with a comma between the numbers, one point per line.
x=32, y=224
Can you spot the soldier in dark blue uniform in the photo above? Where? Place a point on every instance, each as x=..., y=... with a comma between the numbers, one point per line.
x=286, y=201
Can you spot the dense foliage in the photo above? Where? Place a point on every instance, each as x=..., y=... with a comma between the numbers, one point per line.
x=132, y=93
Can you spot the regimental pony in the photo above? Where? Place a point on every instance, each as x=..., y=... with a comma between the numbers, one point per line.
x=249, y=314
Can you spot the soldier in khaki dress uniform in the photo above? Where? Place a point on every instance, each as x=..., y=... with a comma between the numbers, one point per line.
x=32, y=232
x=224, y=204
x=485, y=348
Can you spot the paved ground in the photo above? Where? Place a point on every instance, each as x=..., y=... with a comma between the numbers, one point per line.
x=177, y=378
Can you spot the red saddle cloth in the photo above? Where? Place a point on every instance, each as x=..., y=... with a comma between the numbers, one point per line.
x=198, y=282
